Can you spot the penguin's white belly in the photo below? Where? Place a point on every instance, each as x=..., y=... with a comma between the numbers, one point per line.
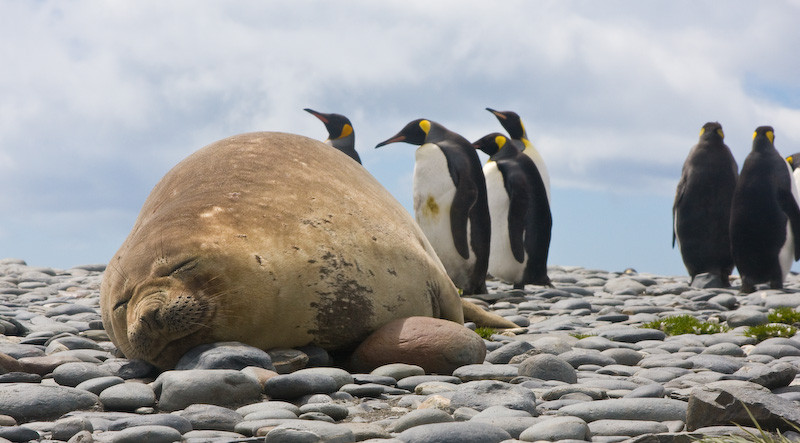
x=434, y=191
x=502, y=263
x=786, y=255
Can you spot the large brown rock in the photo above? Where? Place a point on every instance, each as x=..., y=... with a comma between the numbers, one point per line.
x=438, y=346
x=728, y=402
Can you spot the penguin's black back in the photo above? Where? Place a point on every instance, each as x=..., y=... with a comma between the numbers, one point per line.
x=702, y=205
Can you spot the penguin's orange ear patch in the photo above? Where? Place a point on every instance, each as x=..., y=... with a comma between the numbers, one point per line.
x=346, y=130
x=721, y=134
x=501, y=141
x=702, y=131
x=771, y=136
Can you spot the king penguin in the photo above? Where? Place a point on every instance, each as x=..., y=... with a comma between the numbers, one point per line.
x=765, y=217
x=520, y=213
x=450, y=202
x=702, y=209
x=512, y=123
x=340, y=132
x=794, y=165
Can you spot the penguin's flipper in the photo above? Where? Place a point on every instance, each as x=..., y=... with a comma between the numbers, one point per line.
x=678, y=197
x=518, y=208
x=789, y=206
x=463, y=201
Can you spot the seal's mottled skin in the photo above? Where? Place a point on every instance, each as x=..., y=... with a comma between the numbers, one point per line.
x=274, y=240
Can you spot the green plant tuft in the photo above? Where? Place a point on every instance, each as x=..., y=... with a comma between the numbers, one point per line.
x=784, y=315
x=685, y=324
x=579, y=335
x=485, y=333
x=770, y=330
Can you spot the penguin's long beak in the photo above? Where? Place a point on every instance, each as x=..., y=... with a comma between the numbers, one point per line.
x=318, y=115
x=498, y=114
x=395, y=139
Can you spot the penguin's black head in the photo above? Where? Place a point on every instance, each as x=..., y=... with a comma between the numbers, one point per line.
x=338, y=126
x=511, y=122
x=414, y=133
x=712, y=130
x=494, y=145
x=764, y=136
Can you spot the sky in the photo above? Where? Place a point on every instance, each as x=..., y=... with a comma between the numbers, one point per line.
x=98, y=100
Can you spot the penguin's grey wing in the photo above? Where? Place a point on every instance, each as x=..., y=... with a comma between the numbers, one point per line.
x=517, y=189
x=465, y=198
x=789, y=206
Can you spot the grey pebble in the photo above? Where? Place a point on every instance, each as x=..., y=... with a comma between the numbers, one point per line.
x=480, y=395
x=149, y=434
x=179, y=389
x=557, y=429
x=465, y=432
x=224, y=355
x=548, y=367
x=212, y=417
x=302, y=431
x=420, y=417
x=127, y=397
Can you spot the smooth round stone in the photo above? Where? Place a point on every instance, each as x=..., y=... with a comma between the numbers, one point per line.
x=181, y=424
x=18, y=351
x=363, y=379
x=486, y=372
x=420, y=417
x=548, y=367
x=221, y=387
x=272, y=413
x=630, y=428
x=513, y=425
x=291, y=386
x=410, y=383
x=782, y=300
x=570, y=304
x=624, y=285
x=224, y=355
x=580, y=357
x=149, y=434
x=465, y=432
x=127, y=397
x=73, y=374
x=716, y=363
x=332, y=410
x=781, y=341
x=557, y=429
x=20, y=377
x=480, y=395
x=665, y=361
x=398, y=371
x=302, y=431
x=500, y=411
x=596, y=343
x=28, y=402
x=647, y=391
x=211, y=417
x=726, y=300
x=505, y=353
x=317, y=357
x=519, y=320
x=775, y=351
x=622, y=370
x=341, y=376
x=434, y=387
x=128, y=369
x=368, y=432
x=633, y=335
x=662, y=375
x=560, y=391
x=18, y=433
x=552, y=345
x=74, y=342
x=624, y=356
x=66, y=428
x=655, y=409
x=613, y=318
x=209, y=436
x=365, y=390
x=267, y=406
x=746, y=316
x=97, y=385
x=729, y=349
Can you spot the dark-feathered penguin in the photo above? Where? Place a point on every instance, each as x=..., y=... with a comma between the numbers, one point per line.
x=450, y=201
x=702, y=209
x=520, y=213
x=765, y=216
x=340, y=132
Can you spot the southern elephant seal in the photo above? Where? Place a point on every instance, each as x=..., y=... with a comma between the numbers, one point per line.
x=274, y=240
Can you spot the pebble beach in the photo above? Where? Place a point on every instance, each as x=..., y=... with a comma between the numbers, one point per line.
x=580, y=368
